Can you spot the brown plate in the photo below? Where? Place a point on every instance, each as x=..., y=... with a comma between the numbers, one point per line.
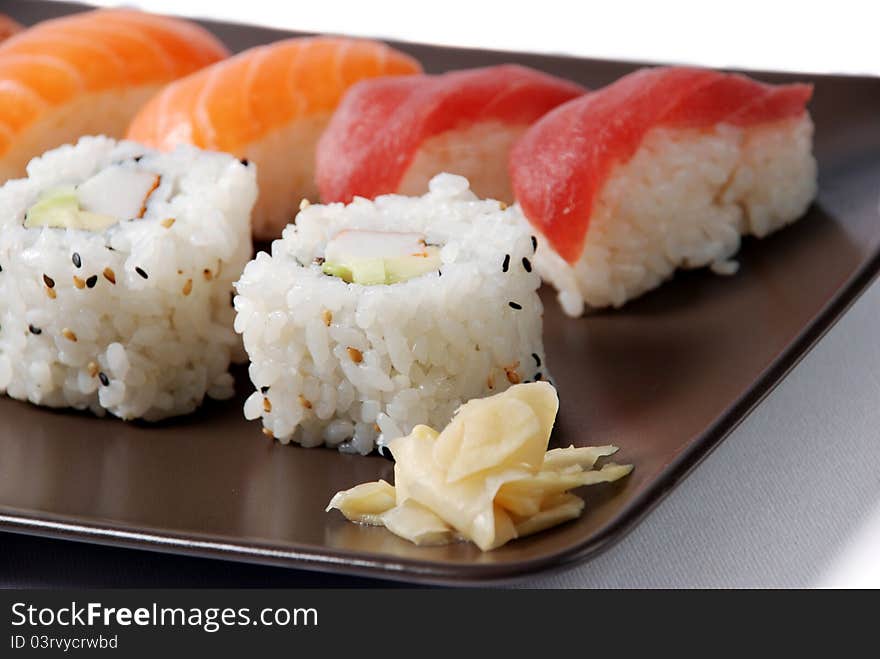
x=666, y=379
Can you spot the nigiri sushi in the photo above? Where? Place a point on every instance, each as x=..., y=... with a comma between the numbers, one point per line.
x=8, y=27
x=394, y=135
x=268, y=105
x=88, y=74
x=665, y=168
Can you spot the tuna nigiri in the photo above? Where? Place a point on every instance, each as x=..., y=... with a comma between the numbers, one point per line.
x=8, y=27
x=88, y=74
x=665, y=168
x=269, y=105
x=394, y=135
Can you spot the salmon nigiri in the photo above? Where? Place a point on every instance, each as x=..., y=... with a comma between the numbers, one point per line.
x=268, y=105
x=88, y=74
x=8, y=27
x=394, y=135
x=665, y=168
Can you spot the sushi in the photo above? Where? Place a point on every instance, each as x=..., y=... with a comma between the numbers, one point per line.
x=371, y=318
x=116, y=272
x=395, y=134
x=88, y=74
x=666, y=168
x=8, y=27
x=268, y=105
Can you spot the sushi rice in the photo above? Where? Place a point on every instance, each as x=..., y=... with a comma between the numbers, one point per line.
x=684, y=200
x=136, y=319
x=354, y=366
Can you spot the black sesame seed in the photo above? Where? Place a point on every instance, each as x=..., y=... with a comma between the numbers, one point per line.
x=91, y=281
x=264, y=390
x=35, y=330
x=534, y=244
x=319, y=260
x=141, y=272
x=104, y=379
x=1, y=268
x=514, y=305
x=48, y=281
x=439, y=273
x=527, y=264
x=137, y=158
x=506, y=264
x=77, y=259
x=244, y=161
x=537, y=359
x=538, y=376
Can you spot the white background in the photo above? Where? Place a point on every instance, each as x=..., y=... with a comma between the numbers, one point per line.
x=792, y=498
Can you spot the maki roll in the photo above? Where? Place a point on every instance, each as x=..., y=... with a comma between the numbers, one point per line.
x=395, y=134
x=371, y=318
x=116, y=271
x=666, y=168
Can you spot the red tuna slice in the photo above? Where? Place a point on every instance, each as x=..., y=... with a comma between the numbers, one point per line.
x=560, y=165
x=378, y=128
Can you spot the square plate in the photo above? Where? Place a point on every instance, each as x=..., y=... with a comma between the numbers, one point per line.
x=666, y=379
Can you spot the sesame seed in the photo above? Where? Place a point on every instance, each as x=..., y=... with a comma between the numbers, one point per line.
x=49, y=281
x=534, y=244
x=268, y=433
x=35, y=330
x=267, y=405
x=527, y=264
x=51, y=293
x=141, y=272
x=79, y=283
x=355, y=355
x=77, y=259
x=537, y=359
x=207, y=274
x=264, y=390
x=512, y=376
x=304, y=402
x=104, y=379
x=514, y=305
x=109, y=275
x=502, y=205
x=506, y=264
x=187, y=287
x=327, y=316
x=93, y=369
x=304, y=203
x=68, y=334
x=538, y=376
x=244, y=161
x=319, y=260
x=91, y=281
x=137, y=158
x=490, y=382
x=168, y=223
